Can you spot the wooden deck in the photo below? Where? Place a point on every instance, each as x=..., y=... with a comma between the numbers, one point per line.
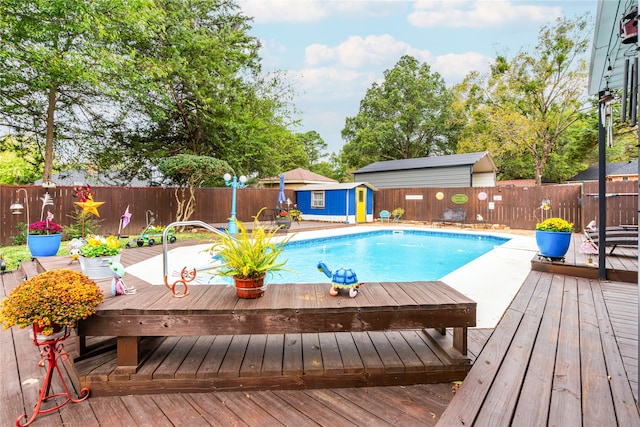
x=564, y=353
x=290, y=338
x=622, y=266
x=595, y=325
x=414, y=405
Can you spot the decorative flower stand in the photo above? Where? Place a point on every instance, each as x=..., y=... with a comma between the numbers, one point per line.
x=51, y=350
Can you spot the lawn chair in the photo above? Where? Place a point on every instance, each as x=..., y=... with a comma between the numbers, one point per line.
x=385, y=216
x=614, y=237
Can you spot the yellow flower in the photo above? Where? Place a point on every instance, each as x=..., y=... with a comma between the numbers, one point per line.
x=555, y=224
x=54, y=297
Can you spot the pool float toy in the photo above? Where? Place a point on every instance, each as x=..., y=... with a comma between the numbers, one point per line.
x=117, y=284
x=343, y=278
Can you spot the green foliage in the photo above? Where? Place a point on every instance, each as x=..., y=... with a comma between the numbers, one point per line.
x=314, y=145
x=409, y=115
x=21, y=237
x=188, y=170
x=529, y=112
x=249, y=253
x=203, y=93
x=397, y=213
x=98, y=246
x=59, y=62
x=90, y=224
x=20, y=161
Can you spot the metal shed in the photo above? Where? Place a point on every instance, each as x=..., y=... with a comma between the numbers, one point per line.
x=350, y=202
x=458, y=170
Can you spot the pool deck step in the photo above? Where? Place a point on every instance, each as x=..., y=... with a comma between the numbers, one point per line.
x=376, y=338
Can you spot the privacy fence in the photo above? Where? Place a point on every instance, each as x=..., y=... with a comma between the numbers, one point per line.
x=515, y=207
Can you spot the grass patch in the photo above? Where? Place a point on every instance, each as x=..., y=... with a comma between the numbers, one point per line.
x=13, y=255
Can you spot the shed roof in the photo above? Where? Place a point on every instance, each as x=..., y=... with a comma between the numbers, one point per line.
x=614, y=168
x=74, y=176
x=336, y=186
x=482, y=160
x=298, y=175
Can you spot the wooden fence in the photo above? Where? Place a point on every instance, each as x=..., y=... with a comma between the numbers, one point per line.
x=516, y=207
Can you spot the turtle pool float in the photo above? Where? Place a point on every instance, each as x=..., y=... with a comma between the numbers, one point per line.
x=343, y=278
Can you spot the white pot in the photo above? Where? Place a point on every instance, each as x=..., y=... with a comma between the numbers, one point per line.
x=98, y=268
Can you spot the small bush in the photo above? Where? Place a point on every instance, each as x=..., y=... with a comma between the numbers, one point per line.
x=75, y=230
x=21, y=237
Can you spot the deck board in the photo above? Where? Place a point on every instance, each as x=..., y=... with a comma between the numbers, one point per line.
x=515, y=382
x=398, y=405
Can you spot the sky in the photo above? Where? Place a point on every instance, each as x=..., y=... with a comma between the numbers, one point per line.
x=334, y=50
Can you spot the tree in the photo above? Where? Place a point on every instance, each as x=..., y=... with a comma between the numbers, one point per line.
x=58, y=60
x=525, y=109
x=20, y=161
x=314, y=145
x=408, y=115
x=201, y=93
x=188, y=172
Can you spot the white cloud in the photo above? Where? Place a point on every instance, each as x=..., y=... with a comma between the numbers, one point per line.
x=478, y=13
x=358, y=52
x=455, y=67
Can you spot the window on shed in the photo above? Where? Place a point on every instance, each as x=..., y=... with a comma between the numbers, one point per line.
x=317, y=199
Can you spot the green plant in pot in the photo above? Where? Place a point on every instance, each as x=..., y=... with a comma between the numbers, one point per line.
x=96, y=253
x=248, y=256
x=397, y=214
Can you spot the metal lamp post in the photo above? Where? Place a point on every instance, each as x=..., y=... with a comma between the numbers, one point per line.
x=17, y=208
x=234, y=184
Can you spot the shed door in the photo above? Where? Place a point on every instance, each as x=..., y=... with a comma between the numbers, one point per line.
x=361, y=204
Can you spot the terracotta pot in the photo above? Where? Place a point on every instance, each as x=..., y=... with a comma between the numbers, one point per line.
x=38, y=329
x=249, y=288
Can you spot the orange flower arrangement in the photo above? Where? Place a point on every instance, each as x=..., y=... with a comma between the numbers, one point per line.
x=56, y=297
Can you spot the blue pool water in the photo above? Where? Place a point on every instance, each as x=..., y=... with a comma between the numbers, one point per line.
x=382, y=256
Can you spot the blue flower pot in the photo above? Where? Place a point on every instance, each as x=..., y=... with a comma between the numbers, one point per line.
x=553, y=244
x=41, y=245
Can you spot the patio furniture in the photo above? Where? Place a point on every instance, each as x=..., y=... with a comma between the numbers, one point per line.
x=614, y=237
x=451, y=216
x=385, y=216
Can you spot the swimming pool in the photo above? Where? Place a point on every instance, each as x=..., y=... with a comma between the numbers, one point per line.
x=491, y=280
x=381, y=256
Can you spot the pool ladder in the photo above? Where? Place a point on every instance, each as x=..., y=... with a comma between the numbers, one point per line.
x=186, y=275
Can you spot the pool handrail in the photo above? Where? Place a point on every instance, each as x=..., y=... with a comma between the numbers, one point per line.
x=185, y=275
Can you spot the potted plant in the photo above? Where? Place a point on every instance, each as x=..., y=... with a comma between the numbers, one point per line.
x=248, y=256
x=50, y=301
x=44, y=238
x=96, y=254
x=397, y=214
x=283, y=219
x=553, y=237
